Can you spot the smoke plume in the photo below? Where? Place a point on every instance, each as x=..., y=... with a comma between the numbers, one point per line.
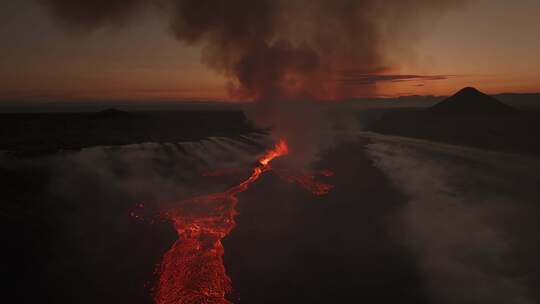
x=277, y=49
x=461, y=230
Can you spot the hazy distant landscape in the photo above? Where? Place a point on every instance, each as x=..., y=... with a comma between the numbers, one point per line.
x=483, y=126
x=65, y=129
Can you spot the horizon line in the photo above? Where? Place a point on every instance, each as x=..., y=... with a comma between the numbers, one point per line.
x=209, y=100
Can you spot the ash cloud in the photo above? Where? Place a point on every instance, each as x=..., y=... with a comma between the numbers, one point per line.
x=276, y=49
x=351, y=78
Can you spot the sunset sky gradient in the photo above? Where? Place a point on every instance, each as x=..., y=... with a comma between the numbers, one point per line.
x=493, y=45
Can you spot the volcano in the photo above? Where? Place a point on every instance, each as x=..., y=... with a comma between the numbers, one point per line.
x=470, y=101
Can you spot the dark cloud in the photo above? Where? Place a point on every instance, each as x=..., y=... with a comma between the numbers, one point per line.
x=275, y=49
x=89, y=15
x=353, y=78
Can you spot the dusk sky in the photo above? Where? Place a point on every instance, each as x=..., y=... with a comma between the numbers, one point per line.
x=493, y=45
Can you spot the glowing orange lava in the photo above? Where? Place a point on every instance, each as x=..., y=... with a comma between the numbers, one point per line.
x=280, y=149
x=192, y=270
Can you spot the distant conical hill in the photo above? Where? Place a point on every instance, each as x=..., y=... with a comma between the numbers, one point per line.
x=470, y=101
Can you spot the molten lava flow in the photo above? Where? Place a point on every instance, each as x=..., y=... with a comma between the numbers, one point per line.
x=280, y=149
x=307, y=180
x=192, y=271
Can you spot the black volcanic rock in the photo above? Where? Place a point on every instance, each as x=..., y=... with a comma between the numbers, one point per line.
x=111, y=114
x=32, y=134
x=470, y=101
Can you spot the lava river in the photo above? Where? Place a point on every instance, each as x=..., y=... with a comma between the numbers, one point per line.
x=192, y=270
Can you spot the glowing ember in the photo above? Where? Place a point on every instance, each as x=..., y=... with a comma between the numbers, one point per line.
x=192, y=271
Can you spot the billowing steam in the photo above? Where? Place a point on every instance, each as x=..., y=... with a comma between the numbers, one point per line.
x=278, y=49
x=462, y=230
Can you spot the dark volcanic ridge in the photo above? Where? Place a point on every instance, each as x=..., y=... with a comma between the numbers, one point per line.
x=45, y=133
x=468, y=118
x=111, y=113
x=470, y=101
